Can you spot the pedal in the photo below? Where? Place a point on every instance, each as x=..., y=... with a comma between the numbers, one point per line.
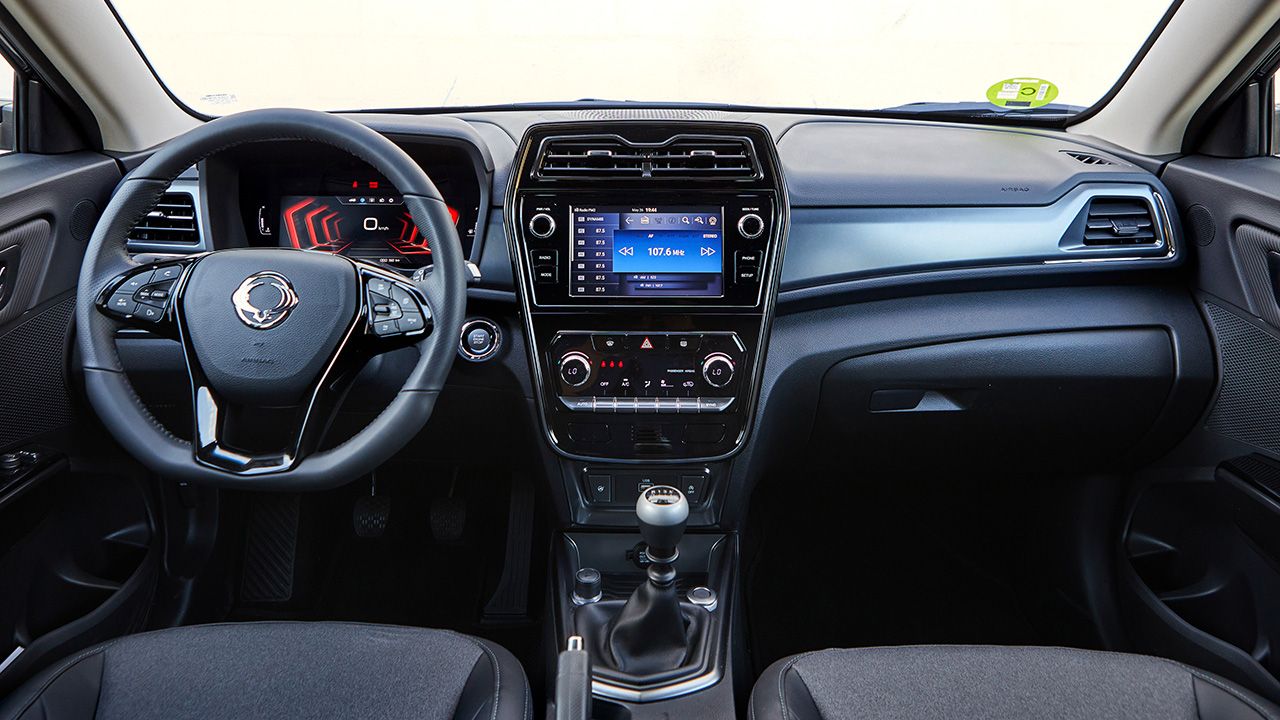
x=371, y=513
x=448, y=517
x=510, y=599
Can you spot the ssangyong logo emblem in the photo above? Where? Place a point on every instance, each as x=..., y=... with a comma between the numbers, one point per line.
x=266, y=308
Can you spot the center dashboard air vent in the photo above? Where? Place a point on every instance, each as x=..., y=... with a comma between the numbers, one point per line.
x=682, y=157
x=1120, y=221
x=171, y=222
x=1087, y=158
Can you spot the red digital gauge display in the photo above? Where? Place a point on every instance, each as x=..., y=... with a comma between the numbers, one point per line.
x=373, y=228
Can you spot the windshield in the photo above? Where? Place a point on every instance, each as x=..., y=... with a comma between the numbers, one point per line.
x=232, y=55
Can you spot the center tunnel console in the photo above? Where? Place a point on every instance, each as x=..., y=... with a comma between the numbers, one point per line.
x=647, y=258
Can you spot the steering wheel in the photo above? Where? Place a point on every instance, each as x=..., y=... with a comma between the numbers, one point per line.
x=266, y=327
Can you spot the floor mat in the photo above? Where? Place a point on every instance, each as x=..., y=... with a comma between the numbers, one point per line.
x=408, y=574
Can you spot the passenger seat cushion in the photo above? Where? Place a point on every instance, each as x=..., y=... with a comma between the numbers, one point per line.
x=947, y=682
x=280, y=670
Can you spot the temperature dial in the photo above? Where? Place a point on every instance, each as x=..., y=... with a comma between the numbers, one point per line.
x=717, y=370
x=575, y=369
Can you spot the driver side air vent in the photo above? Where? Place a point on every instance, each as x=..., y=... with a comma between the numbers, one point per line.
x=1119, y=221
x=171, y=222
x=682, y=157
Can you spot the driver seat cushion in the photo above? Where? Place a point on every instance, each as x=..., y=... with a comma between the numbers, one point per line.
x=280, y=670
x=979, y=682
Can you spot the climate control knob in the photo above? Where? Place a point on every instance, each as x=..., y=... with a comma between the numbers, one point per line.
x=575, y=369
x=542, y=225
x=717, y=370
x=751, y=226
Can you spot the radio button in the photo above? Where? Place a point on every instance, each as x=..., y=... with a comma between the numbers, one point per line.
x=544, y=257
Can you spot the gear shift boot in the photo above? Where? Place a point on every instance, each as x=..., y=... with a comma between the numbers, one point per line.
x=649, y=636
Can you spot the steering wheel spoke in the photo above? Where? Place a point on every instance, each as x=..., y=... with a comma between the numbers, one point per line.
x=143, y=297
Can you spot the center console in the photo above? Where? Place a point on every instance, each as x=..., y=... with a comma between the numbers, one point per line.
x=647, y=257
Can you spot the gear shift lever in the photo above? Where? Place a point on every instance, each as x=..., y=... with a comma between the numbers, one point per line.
x=662, y=511
x=649, y=635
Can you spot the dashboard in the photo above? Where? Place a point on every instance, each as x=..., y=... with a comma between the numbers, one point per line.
x=693, y=297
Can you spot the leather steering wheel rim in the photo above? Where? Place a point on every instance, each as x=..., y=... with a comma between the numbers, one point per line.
x=106, y=259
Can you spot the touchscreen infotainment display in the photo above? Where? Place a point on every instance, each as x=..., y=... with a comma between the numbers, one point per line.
x=640, y=252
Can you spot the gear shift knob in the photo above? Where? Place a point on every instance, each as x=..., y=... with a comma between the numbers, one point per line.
x=662, y=511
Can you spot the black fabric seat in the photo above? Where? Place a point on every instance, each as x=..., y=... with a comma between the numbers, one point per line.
x=975, y=683
x=280, y=670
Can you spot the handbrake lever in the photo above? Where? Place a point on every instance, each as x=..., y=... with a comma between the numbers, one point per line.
x=573, y=682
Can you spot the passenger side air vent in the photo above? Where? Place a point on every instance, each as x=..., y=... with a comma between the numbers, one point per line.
x=171, y=222
x=1087, y=159
x=682, y=157
x=1119, y=221
x=727, y=158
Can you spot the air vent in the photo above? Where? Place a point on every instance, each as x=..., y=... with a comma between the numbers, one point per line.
x=171, y=222
x=682, y=157
x=1119, y=221
x=1088, y=159
x=589, y=157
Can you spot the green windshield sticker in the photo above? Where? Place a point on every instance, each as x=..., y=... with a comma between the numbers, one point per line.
x=1022, y=93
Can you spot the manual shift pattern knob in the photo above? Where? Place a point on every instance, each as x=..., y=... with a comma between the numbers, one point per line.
x=662, y=511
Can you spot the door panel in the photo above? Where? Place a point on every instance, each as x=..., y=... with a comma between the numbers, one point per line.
x=48, y=205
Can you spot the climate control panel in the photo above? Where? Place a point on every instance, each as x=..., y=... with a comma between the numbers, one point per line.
x=639, y=372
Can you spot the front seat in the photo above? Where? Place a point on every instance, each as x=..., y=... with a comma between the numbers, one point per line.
x=974, y=683
x=280, y=670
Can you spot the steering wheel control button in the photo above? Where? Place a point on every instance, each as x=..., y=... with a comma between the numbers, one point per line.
x=542, y=226
x=150, y=313
x=480, y=340
x=750, y=226
x=121, y=303
x=135, y=283
x=378, y=286
x=385, y=328
x=575, y=369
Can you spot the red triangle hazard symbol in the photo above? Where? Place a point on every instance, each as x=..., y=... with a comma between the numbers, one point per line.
x=646, y=345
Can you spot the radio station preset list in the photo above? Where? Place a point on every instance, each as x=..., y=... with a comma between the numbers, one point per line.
x=646, y=252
